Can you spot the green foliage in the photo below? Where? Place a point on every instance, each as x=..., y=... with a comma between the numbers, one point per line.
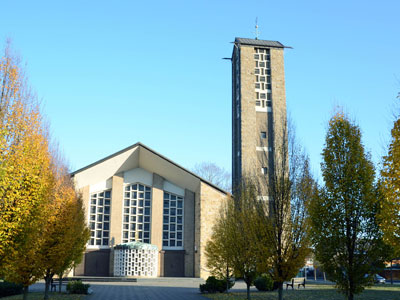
x=214, y=285
x=389, y=217
x=234, y=239
x=77, y=287
x=345, y=233
x=264, y=283
x=9, y=289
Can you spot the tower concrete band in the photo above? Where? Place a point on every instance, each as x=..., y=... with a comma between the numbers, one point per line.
x=258, y=106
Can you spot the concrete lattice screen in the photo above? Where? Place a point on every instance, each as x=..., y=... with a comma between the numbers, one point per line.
x=135, y=259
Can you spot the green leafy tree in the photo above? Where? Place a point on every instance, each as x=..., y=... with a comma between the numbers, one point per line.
x=389, y=216
x=345, y=231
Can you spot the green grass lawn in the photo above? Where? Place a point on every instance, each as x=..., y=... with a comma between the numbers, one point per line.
x=39, y=296
x=316, y=292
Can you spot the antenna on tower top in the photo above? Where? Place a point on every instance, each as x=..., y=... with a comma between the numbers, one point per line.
x=257, y=33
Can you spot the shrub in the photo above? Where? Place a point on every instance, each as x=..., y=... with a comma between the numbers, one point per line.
x=214, y=285
x=264, y=283
x=9, y=289
x=275, y=286
x=77, y=287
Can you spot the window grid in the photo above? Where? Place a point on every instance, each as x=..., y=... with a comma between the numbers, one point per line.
x=100, y=218
x=172, y=221
x=136, y=213
x=262, y=71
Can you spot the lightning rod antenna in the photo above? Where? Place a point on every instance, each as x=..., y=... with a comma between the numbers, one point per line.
x=257, y=33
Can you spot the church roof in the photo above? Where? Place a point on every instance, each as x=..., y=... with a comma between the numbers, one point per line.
x=146, y=158
x=257, y=42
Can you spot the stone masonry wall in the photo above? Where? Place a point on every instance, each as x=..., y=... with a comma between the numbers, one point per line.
x=211, y=201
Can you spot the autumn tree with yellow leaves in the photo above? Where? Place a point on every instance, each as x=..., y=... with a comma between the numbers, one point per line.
x=24, y=169
x=42, y=226
x=65, y=233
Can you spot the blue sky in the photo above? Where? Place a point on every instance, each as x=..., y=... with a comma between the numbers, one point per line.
x=111, y=73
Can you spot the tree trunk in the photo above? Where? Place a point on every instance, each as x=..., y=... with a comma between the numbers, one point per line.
x=59, y=282
x=46, y=288
x=248, y=291
x=26, y=289
x=315, y=274
x=391, y=271
x=351, y=296
x=324, y=276
x=48, y=278
x=280, y=291
x=227, y=278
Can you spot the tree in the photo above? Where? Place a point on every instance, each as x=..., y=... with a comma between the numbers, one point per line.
x=389, y=183
x=289, y=186
x=65, y=233
x=345, y=232
x=24, y=173
x=233, y=242
x=214, y=174
x=218, y=247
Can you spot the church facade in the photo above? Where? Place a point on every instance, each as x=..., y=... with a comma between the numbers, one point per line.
x=137, y=197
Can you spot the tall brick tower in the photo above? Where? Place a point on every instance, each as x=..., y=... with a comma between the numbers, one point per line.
x=258, y=105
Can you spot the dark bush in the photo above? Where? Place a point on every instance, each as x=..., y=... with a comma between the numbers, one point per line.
x=77, y=287
x=275, y=286
x=9, y=289
x=214, y=285
x=264, y=283
x=203, y=288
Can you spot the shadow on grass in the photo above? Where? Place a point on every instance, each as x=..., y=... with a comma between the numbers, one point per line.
x=315, y=292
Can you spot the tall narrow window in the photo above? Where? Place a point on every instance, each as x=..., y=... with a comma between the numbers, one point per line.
x=100, y=218
x=173, y=221
x=136, y=213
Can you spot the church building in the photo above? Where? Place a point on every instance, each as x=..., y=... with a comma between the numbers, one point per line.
x=147, y=215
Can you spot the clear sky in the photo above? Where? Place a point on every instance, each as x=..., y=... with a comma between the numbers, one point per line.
x=112, y=73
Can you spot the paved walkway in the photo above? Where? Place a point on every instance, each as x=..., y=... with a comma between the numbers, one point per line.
x=148, y=289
